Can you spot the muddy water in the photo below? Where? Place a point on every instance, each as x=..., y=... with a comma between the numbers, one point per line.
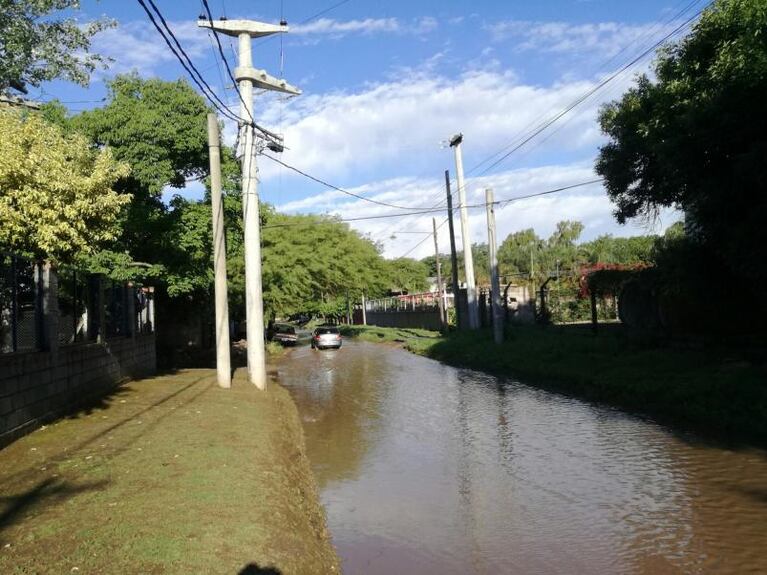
x=424, y=468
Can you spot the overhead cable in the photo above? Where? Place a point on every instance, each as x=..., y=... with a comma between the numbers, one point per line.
x=333, y=187
x=202, y=84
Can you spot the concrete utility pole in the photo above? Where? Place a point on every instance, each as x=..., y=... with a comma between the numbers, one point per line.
x=460, y=320
x=495, y=284
x=468, y=259
x=248, y=77
x=223, y=359
x=364, y=311
x=442, y=311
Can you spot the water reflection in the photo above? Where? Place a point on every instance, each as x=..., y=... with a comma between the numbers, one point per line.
x=339, y=406
x=429, y=469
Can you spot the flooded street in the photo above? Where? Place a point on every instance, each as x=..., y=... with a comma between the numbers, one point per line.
x=425, y=468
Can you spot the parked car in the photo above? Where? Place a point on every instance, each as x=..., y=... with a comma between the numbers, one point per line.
x=284, y=334
x=325, y=337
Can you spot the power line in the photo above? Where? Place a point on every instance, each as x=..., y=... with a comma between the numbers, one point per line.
x=333, y=187
x=309, y=18
x=591, y=91
x=226, y=62
x=430, y=236
x=224, y=110
x=585, y=96
x=188, y=59
x=432, y=210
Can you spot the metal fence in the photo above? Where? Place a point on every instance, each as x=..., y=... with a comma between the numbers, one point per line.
x=20, y=328
x=70, y=307
x=76, y=297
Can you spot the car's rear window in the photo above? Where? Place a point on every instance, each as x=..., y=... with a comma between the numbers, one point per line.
x=324, y=330
x=285, y=329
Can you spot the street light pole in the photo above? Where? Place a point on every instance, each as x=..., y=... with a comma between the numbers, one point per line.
x=248, y=77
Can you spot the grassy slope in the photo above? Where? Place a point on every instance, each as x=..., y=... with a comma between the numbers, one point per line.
x=713, y=390
x=169, y=475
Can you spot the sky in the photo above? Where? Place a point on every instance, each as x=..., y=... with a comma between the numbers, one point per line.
x=386, y=84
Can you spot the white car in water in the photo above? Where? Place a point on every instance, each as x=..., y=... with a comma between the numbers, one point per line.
x=326, y=336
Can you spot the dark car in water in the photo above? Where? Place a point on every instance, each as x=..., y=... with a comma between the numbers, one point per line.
x=326, y=336
x=284, y=334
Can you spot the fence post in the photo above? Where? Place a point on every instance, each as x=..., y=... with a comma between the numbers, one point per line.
x=46, y=307
x=130, y=309
x=98, y=324
x=594, y=318
x=150, y=309
x=14, y=307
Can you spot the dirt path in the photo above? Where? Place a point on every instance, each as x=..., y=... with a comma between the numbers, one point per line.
x=167, y=475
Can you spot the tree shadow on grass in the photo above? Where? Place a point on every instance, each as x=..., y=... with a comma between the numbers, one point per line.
x=73, y=449
x=50, y=491
x=254, y=569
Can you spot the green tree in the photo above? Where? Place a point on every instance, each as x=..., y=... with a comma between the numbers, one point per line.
x=407, y=275
x=36, y=47
x=624, y=251
x=517, y=253
x=310, y=263
x=56, y=196
x=158, y=128
x=693, y=137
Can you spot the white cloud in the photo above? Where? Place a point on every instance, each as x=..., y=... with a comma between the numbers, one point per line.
x=605, y=38
x=335, y=27
x=138, y=46
x=396, y=127
x=587, y=204
x=338, y=29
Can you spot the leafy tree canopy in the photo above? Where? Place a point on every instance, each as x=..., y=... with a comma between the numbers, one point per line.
x=158, y=127
x=36, y=47
x=694, y=136
x=311, y=262
x=56, y=196
x=406, y=275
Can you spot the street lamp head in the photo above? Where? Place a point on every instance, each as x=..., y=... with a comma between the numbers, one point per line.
x=455, y=140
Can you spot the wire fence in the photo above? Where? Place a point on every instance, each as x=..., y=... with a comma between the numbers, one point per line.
x=75, y=294
x=19, y=320
x=71, y=306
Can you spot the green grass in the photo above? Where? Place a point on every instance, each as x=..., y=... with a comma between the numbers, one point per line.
x=168, y=475
x=387, y=334
x=712, y=390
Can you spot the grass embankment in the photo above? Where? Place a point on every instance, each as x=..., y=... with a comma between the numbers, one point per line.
x=168, y=475
x=713, y=390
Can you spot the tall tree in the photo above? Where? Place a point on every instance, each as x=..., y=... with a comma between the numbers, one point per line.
x=36, y=46
x=310, y=263
x=694, y=137
x=158, y=128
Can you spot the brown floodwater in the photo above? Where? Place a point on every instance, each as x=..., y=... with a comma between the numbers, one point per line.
x=425, y=468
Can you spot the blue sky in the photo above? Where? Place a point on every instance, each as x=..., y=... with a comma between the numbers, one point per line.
x=385, y=82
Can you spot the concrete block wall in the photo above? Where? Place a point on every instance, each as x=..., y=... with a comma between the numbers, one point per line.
x=37, y=387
